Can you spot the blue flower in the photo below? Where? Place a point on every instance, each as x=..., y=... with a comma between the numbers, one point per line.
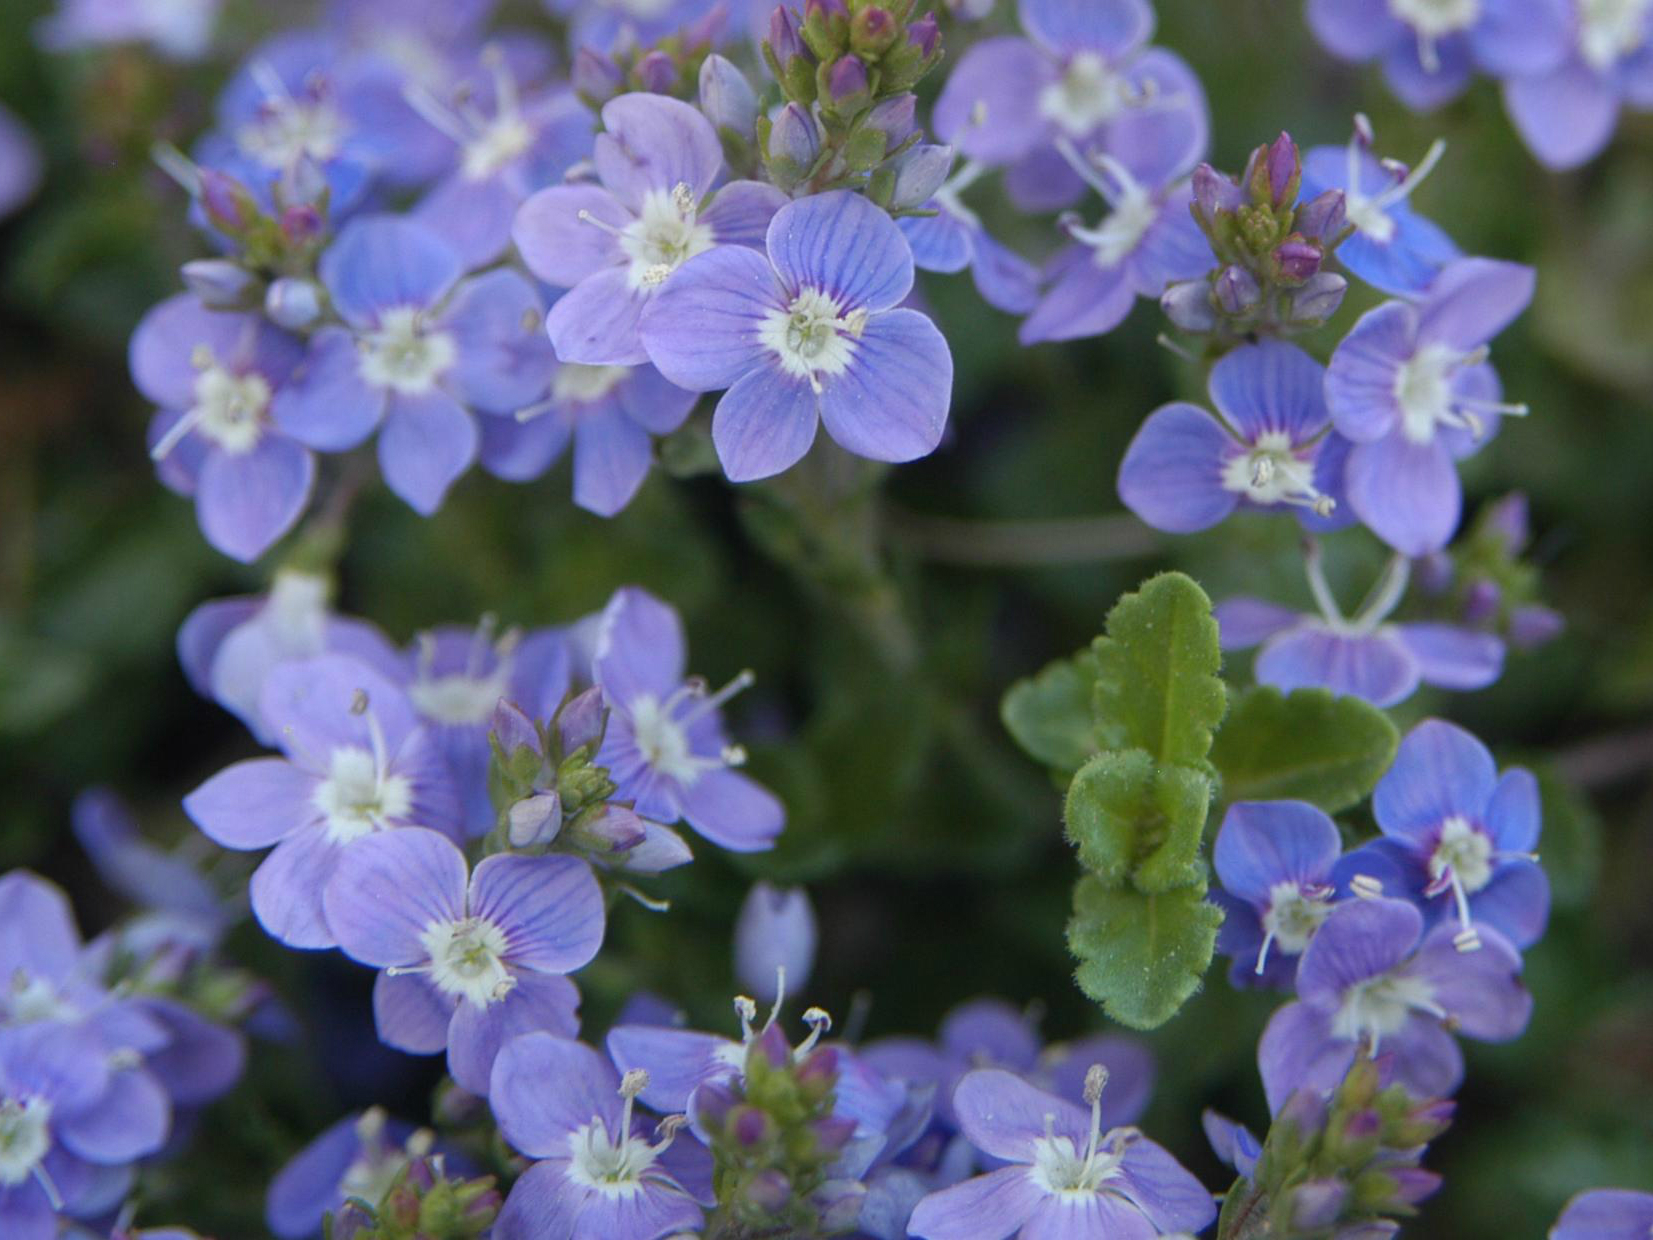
x=953, y=239
x=1410, y=386
x=1567, y=115
x=467, y=961
x=359, y=1156
x=1605, y=1214
x=808, y=334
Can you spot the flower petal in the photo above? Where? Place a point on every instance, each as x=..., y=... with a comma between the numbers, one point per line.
x=1440, y=770
x=286, y=889
x=701, y=329
x=1361, y=377
x=1474, y=299
x=1164, y=1190
x=653, y=143
x=678, y=1061
x=892, y=402
x=380, y=262
x=550, y=908
x=612, y=455
x=246, y=501
x=1513, y=815
x=326, y=403
x=253, y=804
x=1172, y=474
x=1004, y=1116
x=1354, y=29
x=733, y=811
x=129, y=1120
x=596, y=322
x=1565, y=117
x=1375, y=667
x=505, y=359
x=37, y=928
x=1085, y=300
x=1270, y=386
x=410, y=1014
x=1454, y=657
x=1262, y=843
x=1407, y=493
x=1516, y=903
x=841, y=244
x=427, y=442
x=1361, y=940
x=1243, y=622
x=1111, y=27
x=538, y=1003
x=545, y=1088
x=989, y=107
x=988, y=1207
x=764, y=424
x=640, y=648
x=567, y=233
x=1298, y=1051
x=741, y=211
x=390, y=887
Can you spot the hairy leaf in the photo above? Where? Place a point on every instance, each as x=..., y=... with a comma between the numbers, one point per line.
x=1141, y=956
x=1049, y=714
x=1137, y=820
x=1308, y=746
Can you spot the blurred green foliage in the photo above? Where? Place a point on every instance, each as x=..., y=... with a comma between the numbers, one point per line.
x=882, y=640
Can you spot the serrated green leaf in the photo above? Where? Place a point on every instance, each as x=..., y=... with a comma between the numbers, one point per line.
x=1137, y=820
x=1309, y=745
x=1049, y=715
x=1141, y=956
x=1157, y=685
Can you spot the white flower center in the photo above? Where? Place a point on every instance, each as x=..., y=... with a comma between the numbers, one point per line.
x=503, y=139
x=1294, y=915
x=577, y=384
x=35, y=999
x=25, y=1138
x=1434, y=18
x=812, y=336
x=357, y=797
x=664, y=743
x=1466, y=851
x=1271, y=472
x=1122, y=229
x=1423, y=389
x=400, y=354
x=1610, y=30
x=461, y=698
x=1089, y=93
x=288, y=129
x=1061, y=1170
x=612, y=1166
x=1378, y=1007
x=467, y=959
x=229, y=408
x=665, y=235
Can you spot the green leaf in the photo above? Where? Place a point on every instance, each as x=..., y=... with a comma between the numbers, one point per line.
x=1307, y=746
x=1141, y=956
x=1138, y=820
x=1049, y=714
x=1157, y=684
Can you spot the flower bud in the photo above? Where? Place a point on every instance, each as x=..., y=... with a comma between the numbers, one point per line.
x=1273, y=174
x=657, y=73
x=873, y=31
x=784, y=40
x=1323, y=217
x=220, y=283
x=832, y=1132
x=512, y=728
x=775, y=930
x=1508, y=521
x=228, y=205
x=919, y=173
x=847, y=82
x=301, y=222
x=534, y=820
x=826, y=10
x=838, y=1203
x=726, y=97
x=895, y=116
x=1532, y=626
x=1188, y=305
x=773, y=1046
x=1318, y=299
x=1297, y=259
x=1481, y=602
x=925, y=34
x=596, y=77
x=1214, y=193
x=820, y=1067
x=1236, y=291
x=750, y=1126
x=768, y=1191
x=794, y=137
x=293, y=302
x=1316, y=1204
x=610, y=829
x=580, y=721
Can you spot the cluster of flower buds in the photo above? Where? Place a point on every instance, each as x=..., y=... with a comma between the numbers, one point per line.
x=774, y=1139
x=1484, y=582
x=846, y=69
x=422, y=1203
x=1271, y=250
x=668, y=67
x=1343, y=1166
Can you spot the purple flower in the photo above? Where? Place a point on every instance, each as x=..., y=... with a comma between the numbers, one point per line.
x=70, y=1124
x=1462, y=836
x=19, y=163
x=611, y=413
x=1271, y=445
x=596, y=1174
x=1147, y=240
x=954, y=237
x=229, y=646
x=1083, y=76
x=665, y=747
x=157, y=881
x=1392, y=248
x=455, y=677
x=1429, y=49
x=1232, y=1142
x=617, y=244
x=1605, y=1214
x=1364, y=656
x=357, y=763
x=214, y=376
x=181, y=29
x=1066, y=1178
x=809, y=333
x=468, y=963
x=1275, y=860
x=360, y=1156
x=1371, y=982
x=775, y=938
x=611, y=24
x=419, y=349
x=1410, y=386
x=1567, y=115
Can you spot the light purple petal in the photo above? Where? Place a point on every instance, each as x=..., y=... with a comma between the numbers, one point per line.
x=538, y=1003
x=1003, y=1115
x=388, y=888
x=612, y=455
x=545, y=1088
x=560, y=246
x=326, y=403
x=741, y=211
x=246, y=501
x=654, y=402
x=1172, y=474
x=678, y=1061
x=1243, y=622
x=427, y=442
x=940, y=242
x=1130, y=1064
x=410, y=1014
x=308, y=1186
x=1161, y=137
x=640, y=647
x=1355, y=29
x=1516, y=902
x=1421, y=87
x=842, y=244
x=1440, y=770
x=988, y=1207
x=1407, y=493
x=1088, y=1215
x=1005, y=280
x=473, y=215
x=1270, y=386
x=653, y=142
x=1172, y=249
x=1606, y=1214
x=1565, y=117
x=1086, y=300
x=1164, y=1190
x=550, y=908
x=1474, y=299
x=37, y=928
x=1481, y=991
x=1521, y=38
x=1298, y=1051
x=202, y=635
x=505, y=359
x=733, y=811
x=701, y=329
x=381, y=262
x=254, y=803
x=26, y=1212
x=1262, y=843
x=990, y=1033
x=1513, y=815
x=521, y=451
x=129, y=1120
x=160, y=354
x=764, y=424
x=1426, y=1058
x=1362, y=939
x=1043, y=181
x=989, y=108
x=201, y=1062
x=891, y=403
x=308, y=704
x=286, y=889
x=596, y=322
x=1453, y=657
x=1111, y=27
x=1360, y=380
x=1312, y=656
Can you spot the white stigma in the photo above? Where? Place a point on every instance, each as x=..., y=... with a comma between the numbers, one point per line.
x=1068, y=1173
x=359, y=796
x=1088, y=94
x=25, y=1138
x=1462, y=864
x=1610, y=30
x=288, y=128
x=1293, y=915
x=813, y=337
x=487, y=144
x=1271, y=472
x=229, y=408
x=1370, y=213
x=1424, y=390
x=377, y=1164
x=467, y=959
x=1133, y=209
x=469, y=695
x=579, y=384
x=35, y=999
x=614, y=1164
x=402, y=355
x=665, y=235
x=1378, y=1008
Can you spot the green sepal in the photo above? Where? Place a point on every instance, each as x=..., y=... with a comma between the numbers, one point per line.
x=1139, y=821
x=1141, y=956
x=1309, y=745
x=865, y=149
x=1050, y=714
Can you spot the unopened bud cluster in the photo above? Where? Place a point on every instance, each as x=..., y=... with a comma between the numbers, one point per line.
x=1485, y=581
x=669, y=67
x=423, y=1203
